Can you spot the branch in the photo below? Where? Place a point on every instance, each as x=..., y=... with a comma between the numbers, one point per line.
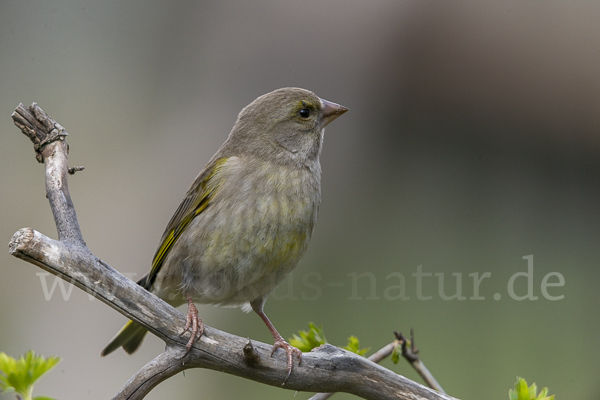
x=375, y=357
x=50, y=145
x=325, y=369
x=410, y=354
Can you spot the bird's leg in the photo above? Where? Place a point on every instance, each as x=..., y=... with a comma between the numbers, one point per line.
x=280, y=343
x=195, y=323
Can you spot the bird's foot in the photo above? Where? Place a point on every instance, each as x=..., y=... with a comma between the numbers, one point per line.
x=280, y=343
x=195, y=323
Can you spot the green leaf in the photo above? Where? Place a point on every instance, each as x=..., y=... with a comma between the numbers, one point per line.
x=354, y=346
x=310, y=339
x=522, y=392
x=522, y=389
x=396, y=354
x=19, y=375
x=532, y=390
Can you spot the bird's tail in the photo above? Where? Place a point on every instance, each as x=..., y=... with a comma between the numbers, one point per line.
x=130, y=337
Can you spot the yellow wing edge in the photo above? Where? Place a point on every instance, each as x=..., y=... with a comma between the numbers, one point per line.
x=207, y=192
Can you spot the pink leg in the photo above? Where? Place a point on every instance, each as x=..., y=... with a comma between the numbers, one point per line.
x=281, y=343
x=192, y=320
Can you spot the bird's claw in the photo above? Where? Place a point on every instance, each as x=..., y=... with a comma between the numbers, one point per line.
x=195, y=323
x=290, y=350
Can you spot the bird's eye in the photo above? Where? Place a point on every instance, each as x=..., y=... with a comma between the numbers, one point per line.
x=304, y=113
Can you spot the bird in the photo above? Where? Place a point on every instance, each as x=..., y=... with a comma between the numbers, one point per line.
x=247, y=219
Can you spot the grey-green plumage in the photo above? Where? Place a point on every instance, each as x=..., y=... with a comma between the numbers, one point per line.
x=248, y=217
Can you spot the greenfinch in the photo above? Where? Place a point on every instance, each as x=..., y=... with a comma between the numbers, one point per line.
x=247, y=218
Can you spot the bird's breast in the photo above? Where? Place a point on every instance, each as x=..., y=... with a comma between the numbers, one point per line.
x=261, y=217
x=252, y=234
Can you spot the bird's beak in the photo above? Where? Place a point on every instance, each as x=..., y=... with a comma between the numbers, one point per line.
x=330, y=111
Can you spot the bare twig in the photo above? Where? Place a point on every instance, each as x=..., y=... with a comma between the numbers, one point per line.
x=410, y=354
x=51, y=148
x=326, y=369
x=383, y=353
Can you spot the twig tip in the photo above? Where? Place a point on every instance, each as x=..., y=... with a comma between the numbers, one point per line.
x=250, y=354
x=72, y=170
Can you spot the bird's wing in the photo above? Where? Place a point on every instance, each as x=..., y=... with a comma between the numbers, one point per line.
x=196, y=200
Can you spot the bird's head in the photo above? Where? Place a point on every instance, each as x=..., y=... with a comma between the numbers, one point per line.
x=285, y=125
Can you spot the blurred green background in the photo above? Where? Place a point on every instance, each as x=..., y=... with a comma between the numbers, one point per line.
x=472, y=141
